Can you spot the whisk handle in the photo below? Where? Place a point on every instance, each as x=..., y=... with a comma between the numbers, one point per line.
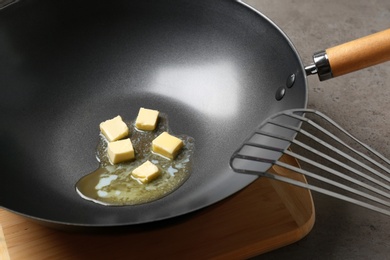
x=351, y=56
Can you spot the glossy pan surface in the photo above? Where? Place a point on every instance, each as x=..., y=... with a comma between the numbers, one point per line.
x=214, y=67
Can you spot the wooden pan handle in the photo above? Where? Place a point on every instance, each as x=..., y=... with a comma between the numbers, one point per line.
x=360, y=53
x=351, y=56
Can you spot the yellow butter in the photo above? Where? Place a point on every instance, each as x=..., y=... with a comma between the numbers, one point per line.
x=146, y=172
x=114, y=129
x=120, y=151
x=167, y=145
x=146, y=119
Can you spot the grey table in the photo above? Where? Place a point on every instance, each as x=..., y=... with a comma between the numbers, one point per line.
x=358, y=101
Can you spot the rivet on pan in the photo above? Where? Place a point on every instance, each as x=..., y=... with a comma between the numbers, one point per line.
x=290, y=81
x=280, y=93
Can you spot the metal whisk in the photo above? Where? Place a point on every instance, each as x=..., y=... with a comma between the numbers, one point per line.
x=338, y=164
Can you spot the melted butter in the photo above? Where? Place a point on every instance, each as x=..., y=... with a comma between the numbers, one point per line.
x=113, y=185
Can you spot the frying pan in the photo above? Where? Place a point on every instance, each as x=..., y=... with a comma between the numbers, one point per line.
x=216, y=68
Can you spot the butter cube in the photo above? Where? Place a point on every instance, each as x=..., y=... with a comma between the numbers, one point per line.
x=146, y=172
x=120, y=151
x=167, y=145
x=114, y=129
x=146, y=119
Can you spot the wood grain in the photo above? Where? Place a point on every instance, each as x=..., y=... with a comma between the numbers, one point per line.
x=264, y=216
x=360, y=53
x=3, y=246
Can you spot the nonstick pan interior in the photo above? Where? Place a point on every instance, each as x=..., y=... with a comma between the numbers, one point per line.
x=213, y=67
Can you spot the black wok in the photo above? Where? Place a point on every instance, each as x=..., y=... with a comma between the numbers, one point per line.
x=216, y=68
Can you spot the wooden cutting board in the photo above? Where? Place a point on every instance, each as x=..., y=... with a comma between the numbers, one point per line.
x=264, y=216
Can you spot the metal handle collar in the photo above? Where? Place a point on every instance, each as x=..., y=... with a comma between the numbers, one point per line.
x=321, y=66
